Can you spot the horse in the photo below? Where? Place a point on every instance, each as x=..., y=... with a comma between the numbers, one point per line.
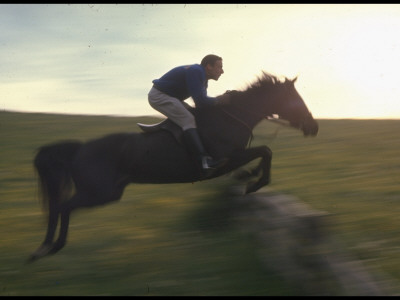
x=74, y=174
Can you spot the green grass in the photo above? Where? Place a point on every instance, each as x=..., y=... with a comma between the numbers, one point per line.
x=178, y=239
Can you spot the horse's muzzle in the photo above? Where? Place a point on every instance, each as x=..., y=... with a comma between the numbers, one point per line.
x=310, y=127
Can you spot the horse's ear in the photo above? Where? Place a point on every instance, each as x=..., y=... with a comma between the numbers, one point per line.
x=290, y=81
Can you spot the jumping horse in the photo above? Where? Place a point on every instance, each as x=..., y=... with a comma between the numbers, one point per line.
x=74, y=174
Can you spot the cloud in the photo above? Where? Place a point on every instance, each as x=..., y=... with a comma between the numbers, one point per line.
x=75, y=53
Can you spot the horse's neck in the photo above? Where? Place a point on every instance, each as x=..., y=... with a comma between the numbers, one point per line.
x=245, y=113
x=221, y=132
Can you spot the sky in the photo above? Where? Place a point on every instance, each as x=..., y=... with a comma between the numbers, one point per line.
x=100, y=59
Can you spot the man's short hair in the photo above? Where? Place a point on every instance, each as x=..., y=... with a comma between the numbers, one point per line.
x=210, y=59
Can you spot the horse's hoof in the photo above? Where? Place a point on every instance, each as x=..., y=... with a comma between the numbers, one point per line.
x=255, y=186
x=57, y=246
x=42, y=251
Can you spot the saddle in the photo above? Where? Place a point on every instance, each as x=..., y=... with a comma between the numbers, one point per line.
x=167, y=125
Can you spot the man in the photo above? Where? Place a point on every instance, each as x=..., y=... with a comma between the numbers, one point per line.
x=180, y=83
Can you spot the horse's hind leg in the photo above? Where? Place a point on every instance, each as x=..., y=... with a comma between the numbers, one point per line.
x=66, y=208
x=82, y=200
x=63, y=210
x=62, y=238
x=45, y=248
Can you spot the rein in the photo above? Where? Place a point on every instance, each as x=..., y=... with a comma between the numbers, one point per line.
x=268, y=118
x=242, y=123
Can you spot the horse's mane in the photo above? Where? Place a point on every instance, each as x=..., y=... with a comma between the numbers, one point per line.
x=263, y=81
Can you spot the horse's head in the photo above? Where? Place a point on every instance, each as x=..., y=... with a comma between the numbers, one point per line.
x=269, y=96
x=289, y=105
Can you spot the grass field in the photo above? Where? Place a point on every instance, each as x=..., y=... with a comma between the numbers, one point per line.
x=178, y=239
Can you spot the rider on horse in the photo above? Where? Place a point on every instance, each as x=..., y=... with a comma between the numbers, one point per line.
x=169, y=92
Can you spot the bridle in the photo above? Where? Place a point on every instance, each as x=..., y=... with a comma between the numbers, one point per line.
x=258, y=116
x=270, y=118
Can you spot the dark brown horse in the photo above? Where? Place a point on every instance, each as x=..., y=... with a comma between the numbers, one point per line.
x=75, y=174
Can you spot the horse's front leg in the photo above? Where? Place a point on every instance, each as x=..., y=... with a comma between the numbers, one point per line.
x=243, y=174
x=244, y=157
x=264, y=167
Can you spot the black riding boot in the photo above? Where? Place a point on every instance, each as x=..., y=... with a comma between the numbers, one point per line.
x=195, y=146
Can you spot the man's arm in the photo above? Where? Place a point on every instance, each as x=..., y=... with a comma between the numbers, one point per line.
x=196, y=86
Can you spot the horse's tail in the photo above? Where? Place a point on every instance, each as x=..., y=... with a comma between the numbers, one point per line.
x=53, y=165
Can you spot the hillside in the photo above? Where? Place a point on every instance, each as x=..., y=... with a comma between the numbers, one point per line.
x=178, y=239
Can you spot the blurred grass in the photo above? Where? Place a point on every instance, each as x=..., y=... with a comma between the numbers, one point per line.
x=177, y=239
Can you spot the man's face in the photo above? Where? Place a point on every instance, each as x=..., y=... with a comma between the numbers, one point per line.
x=214, y=71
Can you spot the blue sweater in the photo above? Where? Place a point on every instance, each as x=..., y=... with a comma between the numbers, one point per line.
x=184, y=82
